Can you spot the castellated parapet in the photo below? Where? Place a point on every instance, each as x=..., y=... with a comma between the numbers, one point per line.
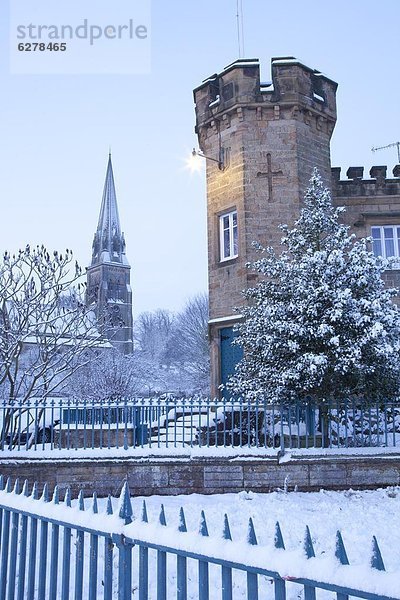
x=355, y=184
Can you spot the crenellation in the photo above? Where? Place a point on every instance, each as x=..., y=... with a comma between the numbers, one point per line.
x=355, y=186
x=378, y=172
x=295, y=87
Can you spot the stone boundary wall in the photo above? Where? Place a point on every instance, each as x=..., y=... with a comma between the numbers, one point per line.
x=177, y=475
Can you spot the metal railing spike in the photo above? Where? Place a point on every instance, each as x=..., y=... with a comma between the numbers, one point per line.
x=251, y=534
x=25, y=488
x=56, y=495
x=67, y=497
x=45, y=493
x=340, y=551
x=182, y=521
x=35, y=491
x=162, y=520
x=278, y=537
x=376, y=558
x=144, y=516
x=81, y=500
x=95, y=508
x=125, y=505
x=203, y=529
x=16, y=486
x=308, y=545
x=226, y=532
x=109, y=506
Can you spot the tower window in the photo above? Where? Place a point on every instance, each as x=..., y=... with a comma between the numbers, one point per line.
x=386, y=242
x=228, y=235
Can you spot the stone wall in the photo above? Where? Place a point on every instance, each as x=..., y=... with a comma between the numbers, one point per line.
x=172, y=476
x=273, y=135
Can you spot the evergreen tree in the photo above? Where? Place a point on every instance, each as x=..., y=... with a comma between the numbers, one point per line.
x=319, y=323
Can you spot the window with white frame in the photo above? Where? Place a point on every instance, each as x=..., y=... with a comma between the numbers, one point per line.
x=228, y=235
x=386, y=242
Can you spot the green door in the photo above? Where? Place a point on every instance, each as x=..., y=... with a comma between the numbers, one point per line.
x=230, y=355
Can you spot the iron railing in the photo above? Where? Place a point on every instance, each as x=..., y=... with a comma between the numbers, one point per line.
x=66, y=423
x=49, y=549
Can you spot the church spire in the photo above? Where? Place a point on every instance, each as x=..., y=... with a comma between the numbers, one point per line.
x=109, y=242
x=108, y=276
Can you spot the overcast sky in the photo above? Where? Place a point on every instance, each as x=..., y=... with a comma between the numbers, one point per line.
x=56, y=129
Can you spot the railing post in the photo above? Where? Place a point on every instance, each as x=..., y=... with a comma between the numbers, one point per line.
x=65, y=574
x=181, y=563
x=79, y=554
x=44, y=527
x=124, y=547
x=280, y=589
x=32, y=550
x=108, y=558
x=22, y=550
x=282, y=450
x=144, y=563
x=54, y=552
x=13, y=549
x=226, y=572
x=4, y=547
x=94, y=546
x=309, y=592
x=162, y=564
x=124, y=567
x=203, y=565
x=125, y=425
x=252, y=580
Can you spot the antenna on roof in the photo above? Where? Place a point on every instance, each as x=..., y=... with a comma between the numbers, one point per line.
x=395, y=144
x=240, y=31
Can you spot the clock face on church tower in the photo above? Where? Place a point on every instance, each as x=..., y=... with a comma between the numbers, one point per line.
x=115, y=318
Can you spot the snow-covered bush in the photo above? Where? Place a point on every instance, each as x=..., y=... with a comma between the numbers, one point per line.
x=319, y=323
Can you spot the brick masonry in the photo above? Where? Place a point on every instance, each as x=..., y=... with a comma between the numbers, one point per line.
x=147, y=476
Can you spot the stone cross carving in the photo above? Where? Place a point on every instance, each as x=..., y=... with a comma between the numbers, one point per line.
x=269, y=174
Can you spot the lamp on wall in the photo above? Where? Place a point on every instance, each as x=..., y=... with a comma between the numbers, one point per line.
x=220, y=160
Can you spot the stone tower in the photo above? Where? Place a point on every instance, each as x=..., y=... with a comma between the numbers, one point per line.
x=264, y=140
x=108, y=277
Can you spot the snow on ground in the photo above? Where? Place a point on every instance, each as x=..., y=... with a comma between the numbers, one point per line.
x=358, y=514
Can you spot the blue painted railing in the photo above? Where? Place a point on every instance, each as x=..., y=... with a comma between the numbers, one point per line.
x=65, y=423
x=49, y=549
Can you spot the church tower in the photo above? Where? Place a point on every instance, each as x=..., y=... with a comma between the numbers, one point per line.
x=262, y=142
x=108, y=276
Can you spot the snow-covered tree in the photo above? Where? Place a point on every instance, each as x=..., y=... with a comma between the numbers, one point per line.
x=45, y=327
x=152, y=331
x=111, y=375
x=319, y=323
x=176, y=348
x=188, y=346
